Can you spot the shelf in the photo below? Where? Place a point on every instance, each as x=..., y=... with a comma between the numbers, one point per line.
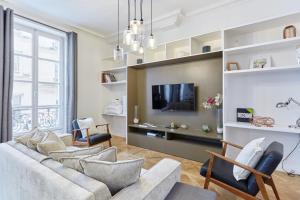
x=115, y=69
x=115, y=83
x=290, y=42
x=265, y=70
x=276, y=128
x=114, y=115
x=197, y=57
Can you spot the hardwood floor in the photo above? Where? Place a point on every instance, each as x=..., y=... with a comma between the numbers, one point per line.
x=288, y=187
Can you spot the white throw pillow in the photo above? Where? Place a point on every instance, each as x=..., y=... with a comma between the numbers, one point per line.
x=23, y=139
x=87, y=123
x=50, y=143
x=57, y=155
x=35, y=139
x=249, y=155
x=109, y=155
x=116, y=175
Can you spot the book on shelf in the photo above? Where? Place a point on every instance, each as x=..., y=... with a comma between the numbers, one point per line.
x=108, y=78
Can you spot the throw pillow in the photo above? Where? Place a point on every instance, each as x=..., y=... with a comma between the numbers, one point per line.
x=50, y=143
x=23, y=139
x=250, y=155
x=87, y=123
x=57, y=155
x=116, y=175
x=109, y=155
x=35, y=139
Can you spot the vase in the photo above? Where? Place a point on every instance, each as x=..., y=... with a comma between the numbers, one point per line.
x=219, y=121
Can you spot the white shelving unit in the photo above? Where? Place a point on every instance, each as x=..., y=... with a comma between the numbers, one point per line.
x=114, y=115
x=261, y=89
x=115, y=83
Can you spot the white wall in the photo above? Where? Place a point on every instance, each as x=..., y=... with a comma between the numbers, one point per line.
x=240, y=12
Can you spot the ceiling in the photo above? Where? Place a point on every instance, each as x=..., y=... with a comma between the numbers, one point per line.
x=100, y=16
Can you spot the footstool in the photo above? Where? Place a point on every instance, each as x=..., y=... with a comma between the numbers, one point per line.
x=182, y=191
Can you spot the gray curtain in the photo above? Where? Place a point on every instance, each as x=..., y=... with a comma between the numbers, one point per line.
x=71, y=80
x=6, y=73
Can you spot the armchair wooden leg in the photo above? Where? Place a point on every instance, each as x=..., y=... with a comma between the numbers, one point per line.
x=272, y=184
x=262, y=187
x=109, y=142
x=208, y=174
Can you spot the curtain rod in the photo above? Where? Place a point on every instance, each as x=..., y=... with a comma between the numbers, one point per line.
x=39, y=22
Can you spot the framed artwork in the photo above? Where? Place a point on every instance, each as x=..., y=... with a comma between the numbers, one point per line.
x=260, y=62
x=233, y=66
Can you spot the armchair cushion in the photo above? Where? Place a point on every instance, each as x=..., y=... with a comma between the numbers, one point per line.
x=267, y=164
x=97, y=138
x=87, y=123
x=222, y=171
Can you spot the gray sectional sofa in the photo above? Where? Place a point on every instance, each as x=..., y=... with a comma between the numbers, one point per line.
x=28, y=175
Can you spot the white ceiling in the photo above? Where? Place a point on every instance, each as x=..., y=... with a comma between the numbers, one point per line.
x=100, y=16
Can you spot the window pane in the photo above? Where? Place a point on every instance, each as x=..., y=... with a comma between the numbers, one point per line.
x=48, y=94
x=48, y=48
x=22, y=94
x=48, y=118
x=22, y=42
x=21, y=120
x=48, y=71
x=22, y=68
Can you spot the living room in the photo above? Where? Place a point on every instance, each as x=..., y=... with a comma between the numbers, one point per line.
x=146, y=99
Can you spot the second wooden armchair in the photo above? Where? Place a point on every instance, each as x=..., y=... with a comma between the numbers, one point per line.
x=89, y=140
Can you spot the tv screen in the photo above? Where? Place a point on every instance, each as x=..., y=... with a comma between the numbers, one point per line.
x=174, y=97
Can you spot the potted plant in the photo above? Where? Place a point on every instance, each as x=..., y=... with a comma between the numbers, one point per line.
x=215, y=104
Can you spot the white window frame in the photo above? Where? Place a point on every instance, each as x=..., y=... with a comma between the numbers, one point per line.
x=61, y=37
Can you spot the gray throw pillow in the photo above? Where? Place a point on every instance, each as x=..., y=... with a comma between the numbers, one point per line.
x=116, y=175
x=23, y=139
x=109, y=155
x=35, y=139
x=57, y=155
x=50, y=143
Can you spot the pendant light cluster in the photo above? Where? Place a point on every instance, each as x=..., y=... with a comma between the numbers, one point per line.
x=134, y=35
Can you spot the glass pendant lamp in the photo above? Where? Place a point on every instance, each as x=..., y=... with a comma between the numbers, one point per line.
x=135, y=43
x=118, y=51
x=135, y=24
x=127, y=35
x=151, y=39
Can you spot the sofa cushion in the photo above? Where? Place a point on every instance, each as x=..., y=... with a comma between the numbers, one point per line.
x=116, y=175
x=249, y=155
x=109, y=155
x=50, y=143
x=27, y=151
x=56, y=155
x=35, y=139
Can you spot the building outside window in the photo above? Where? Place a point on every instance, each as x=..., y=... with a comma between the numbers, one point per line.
x=39, y=69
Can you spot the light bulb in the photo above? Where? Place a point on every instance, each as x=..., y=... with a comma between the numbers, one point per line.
x=134, y=45
x=118, y=53
x=151, y=42
x=127, y=37
x=134, y=26
x=141, y=50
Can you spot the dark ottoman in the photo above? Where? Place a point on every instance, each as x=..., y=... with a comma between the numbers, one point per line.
x=182, y=191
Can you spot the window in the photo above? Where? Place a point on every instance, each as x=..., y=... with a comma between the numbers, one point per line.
x=39, y=63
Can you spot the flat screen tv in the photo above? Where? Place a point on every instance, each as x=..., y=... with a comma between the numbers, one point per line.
x=174, y=97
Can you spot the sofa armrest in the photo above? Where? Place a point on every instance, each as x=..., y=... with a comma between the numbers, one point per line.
x=156, y=183
x=66, y=138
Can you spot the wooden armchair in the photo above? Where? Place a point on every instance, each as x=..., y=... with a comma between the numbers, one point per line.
x=219, y=170
x=89, y=140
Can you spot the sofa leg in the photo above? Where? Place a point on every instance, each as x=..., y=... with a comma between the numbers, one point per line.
x=109, y=142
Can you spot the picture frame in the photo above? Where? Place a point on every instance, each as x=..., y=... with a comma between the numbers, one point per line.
x=233, y=66
x=261, y=61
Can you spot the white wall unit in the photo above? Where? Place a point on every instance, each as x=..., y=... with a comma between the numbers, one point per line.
x=263, y=88
x=157, y=54
x=178, y=48
x=214, y=40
